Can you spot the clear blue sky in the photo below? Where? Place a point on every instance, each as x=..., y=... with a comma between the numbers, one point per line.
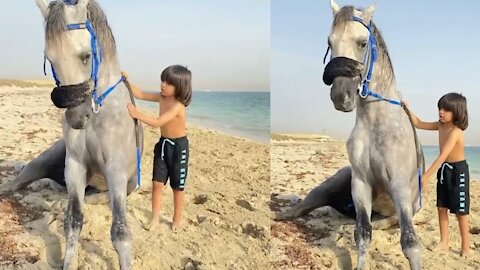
x=225, y=43
x=434, y=46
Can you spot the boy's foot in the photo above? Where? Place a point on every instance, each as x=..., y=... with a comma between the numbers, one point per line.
x=176, y=226
x=151, y=226
x=440, y=247
x=465, y=253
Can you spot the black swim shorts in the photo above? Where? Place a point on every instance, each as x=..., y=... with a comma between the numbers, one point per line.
x=170, y=161
x=453, y=187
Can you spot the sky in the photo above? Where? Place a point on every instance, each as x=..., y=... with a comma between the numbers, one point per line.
x=434, y=47
x=224, y=43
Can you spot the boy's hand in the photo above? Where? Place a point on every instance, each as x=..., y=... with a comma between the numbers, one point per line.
x=424, y=185
x=425, y=179
x=132, y=110
x=124, y=74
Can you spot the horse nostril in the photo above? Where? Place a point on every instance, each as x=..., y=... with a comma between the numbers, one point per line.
x=348, y=95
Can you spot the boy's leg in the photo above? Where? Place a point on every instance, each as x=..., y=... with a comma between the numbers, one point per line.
x=443, y=222
x=160, y=176
x=157, y=190
x=443, y=202
x=178, y=177
x=464, y=230
x=178, y=203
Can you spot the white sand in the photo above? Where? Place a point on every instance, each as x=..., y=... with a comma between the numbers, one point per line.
x=228, y=231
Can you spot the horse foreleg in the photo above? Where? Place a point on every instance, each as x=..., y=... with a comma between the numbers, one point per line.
x=49, y=164
x=75, y=175
x=409, y=241
x=362, y=198
x=320, y=196
x=120, y=233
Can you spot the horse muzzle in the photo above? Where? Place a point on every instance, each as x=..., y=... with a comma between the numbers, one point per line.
x=344, y=74
x=344, y=93
x=78, y=117
x=77, y=99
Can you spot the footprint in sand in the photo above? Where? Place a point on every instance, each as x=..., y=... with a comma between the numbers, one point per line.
x=190, y=264
x=475, y=230
x=245, y=204
x=254, y=230
x=200, y=199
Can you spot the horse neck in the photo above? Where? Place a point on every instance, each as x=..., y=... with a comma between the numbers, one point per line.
x=108, y=75
x=383, y=83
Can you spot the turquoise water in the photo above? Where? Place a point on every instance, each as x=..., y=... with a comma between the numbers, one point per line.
x=472, y=154
x=244, y=114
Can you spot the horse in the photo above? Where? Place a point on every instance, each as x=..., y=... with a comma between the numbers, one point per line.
x=99, y=136
x=382, y=147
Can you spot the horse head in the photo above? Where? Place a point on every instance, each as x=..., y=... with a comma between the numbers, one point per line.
x=353, y=49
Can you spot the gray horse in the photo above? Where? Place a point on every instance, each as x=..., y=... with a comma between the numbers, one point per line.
x=385, y=156
x=381, y=146
x=98, y=134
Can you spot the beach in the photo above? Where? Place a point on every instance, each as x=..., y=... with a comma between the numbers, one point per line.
x=324, y=238
x=226, y=216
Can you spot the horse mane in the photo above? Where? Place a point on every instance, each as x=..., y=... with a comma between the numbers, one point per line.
x=55, y=25
x=345, y=14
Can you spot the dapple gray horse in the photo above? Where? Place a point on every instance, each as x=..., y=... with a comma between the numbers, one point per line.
x=385, y=156
x=98, y=134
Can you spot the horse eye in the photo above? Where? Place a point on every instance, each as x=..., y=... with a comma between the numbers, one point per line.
x=363, y=44
x=85, y=58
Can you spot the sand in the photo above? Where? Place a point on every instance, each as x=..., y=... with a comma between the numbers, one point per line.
x=227, y=219
x=324, y=238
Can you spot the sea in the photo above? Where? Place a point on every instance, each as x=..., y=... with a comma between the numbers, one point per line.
x=472, y=154
x=242, y=114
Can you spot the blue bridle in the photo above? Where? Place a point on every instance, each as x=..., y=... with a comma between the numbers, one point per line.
x=97, y=101
x=371, y=55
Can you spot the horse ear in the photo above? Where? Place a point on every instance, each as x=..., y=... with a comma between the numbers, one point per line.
x=335, y=7
x=368, y=13
x=43, y=6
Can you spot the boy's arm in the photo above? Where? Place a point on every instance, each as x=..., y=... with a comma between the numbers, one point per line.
x=137, y=93
x=155, y=121
x=419, y=123
x=446, y=149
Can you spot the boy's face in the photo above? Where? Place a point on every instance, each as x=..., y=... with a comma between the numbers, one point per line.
x=445, y=116
x=167, y=90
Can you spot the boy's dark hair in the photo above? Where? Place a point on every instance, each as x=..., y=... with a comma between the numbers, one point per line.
x=457, y=104
x=181, y=78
